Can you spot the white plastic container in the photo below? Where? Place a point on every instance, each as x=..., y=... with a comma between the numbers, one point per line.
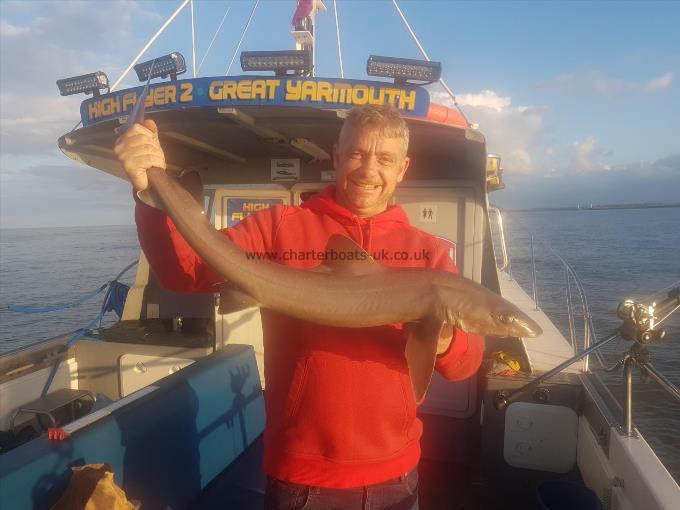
x=539, y=436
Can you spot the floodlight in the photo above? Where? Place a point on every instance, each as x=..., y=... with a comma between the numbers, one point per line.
x=494, y=173
x=403, y=69
x=161, y=67
x=298, y=61
x=88, y=83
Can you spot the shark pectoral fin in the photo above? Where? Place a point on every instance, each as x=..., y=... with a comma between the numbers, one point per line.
x=343, y=255
x=233, y=299
x=421, y=351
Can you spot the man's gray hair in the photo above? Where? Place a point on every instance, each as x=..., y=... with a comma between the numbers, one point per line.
x=384, y=118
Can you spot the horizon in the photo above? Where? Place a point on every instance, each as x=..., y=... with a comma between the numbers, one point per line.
x=575, y=119
x=614, y=207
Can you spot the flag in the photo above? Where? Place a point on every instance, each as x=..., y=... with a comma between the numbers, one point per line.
x=304, y=9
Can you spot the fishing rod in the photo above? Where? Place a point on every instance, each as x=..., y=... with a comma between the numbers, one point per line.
x=137, y=114
x=640, y=326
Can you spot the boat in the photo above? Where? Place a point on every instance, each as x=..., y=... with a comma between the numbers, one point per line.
x=171, y=396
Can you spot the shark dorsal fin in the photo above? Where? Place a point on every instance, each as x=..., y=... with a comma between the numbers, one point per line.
x=344, y=255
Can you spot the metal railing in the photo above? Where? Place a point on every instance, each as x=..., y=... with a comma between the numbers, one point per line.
x=589, y=336
x=575, y=305
x=506, y=264
x=533, y=271
x=501, y=232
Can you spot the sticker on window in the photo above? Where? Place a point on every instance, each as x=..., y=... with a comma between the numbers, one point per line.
x=285, y=170
x=239, y=208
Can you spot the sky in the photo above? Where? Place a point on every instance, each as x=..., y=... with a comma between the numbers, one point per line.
x=581, y=99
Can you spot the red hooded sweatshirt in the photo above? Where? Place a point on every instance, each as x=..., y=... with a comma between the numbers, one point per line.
x=340, y=408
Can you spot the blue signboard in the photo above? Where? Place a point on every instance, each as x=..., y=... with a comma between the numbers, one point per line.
x=239, y=208
x=257, y=91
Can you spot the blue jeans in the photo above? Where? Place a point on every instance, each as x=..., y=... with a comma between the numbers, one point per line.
x=398, y=494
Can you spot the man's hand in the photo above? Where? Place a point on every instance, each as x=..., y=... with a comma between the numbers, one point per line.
x=445, y=336
x=138, y=149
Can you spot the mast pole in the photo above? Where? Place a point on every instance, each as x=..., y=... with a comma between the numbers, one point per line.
x=193, y=38
x=337, y=33
x=304, y=31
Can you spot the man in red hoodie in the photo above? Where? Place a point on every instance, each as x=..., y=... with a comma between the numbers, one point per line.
x=341, y=430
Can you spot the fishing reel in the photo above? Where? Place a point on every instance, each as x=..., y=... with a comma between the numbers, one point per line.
x=640, y=320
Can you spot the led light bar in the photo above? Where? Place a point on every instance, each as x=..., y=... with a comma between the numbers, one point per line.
x=88, y=83
x=167, y=65
x=403, y=69
x=298, y=61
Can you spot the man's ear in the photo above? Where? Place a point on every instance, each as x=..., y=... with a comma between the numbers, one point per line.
x=404, y=167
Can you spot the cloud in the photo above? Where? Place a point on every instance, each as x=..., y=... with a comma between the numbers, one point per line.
x=660, y=83
x=635, y=182
x=44, y=119
x=486, y=98
x=598, y=83
x=41, y=42
x=514, y=132
x=77, y=25
x=582, y=155
x=10, y=30
x=589, y=157
x=663, y=167
x=669, y=163
x=61, y=39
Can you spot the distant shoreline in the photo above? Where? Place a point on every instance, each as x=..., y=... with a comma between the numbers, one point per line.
x=597, y=207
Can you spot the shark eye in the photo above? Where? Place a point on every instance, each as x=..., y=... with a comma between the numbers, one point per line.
x=506, y=318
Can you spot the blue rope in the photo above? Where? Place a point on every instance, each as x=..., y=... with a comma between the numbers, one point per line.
x=79, y=334
x=83, y=331
x=115, y=296
x=113, y=301
x=55, y=308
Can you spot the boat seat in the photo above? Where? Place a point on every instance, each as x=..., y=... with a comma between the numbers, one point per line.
x=50, y=403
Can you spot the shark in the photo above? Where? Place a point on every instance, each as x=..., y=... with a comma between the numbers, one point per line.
x=355, y=293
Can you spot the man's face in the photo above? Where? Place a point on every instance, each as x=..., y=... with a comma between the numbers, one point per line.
x=369, y=167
